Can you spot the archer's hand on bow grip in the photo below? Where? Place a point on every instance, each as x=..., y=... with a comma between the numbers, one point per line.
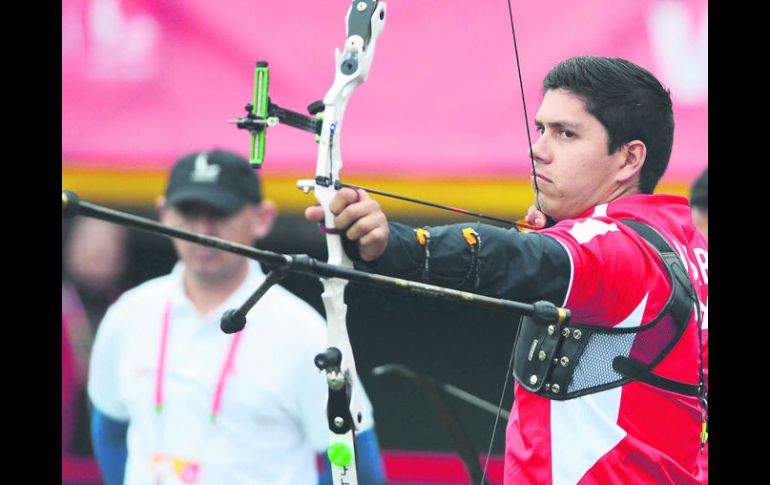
x=362, y=219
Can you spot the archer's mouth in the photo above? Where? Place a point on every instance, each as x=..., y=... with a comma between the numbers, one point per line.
x=541, y=178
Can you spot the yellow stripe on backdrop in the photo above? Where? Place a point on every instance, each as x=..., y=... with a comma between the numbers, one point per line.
x=501, y=197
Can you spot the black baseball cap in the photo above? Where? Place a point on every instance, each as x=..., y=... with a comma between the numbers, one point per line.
x=221, y=179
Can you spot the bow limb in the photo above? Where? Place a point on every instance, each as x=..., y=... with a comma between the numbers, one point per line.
x=435, y=390
x=365, y=21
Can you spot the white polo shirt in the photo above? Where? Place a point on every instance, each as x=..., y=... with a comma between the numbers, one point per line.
x=271, y=419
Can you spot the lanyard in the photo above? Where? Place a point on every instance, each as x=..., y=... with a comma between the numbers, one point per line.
x=223, y=374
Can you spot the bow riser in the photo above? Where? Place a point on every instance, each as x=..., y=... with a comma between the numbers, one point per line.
x=352, y=69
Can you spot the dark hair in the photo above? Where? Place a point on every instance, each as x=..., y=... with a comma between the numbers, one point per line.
x=699, y=193
x=628, y=101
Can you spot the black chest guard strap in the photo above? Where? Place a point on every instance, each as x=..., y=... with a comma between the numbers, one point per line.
x=566, y=361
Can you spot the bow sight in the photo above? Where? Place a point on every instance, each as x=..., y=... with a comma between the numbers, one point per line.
x=262, y=113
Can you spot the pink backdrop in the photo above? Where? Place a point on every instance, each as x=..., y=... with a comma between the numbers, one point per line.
x=144, y=81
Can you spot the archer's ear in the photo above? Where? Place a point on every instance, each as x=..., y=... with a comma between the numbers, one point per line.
x=634, y=155
x=266, y=213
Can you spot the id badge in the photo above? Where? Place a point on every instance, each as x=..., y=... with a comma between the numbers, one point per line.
x=174, y=470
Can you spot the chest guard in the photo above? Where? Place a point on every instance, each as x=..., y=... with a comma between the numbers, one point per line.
x=567, y=361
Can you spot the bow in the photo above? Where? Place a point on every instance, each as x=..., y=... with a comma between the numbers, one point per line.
x=365, y=22
x=436, y=390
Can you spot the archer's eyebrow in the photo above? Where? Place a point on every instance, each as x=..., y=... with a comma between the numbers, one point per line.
x=566, y=125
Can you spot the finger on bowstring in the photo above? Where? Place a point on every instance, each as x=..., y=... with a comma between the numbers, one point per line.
x=535, y=217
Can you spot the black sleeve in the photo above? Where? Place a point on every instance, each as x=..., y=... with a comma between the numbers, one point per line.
x=502, y=263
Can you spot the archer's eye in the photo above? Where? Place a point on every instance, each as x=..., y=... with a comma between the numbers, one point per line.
x=540, y=129
x=567, y=134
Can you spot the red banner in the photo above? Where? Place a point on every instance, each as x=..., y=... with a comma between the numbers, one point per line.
x=145, y=81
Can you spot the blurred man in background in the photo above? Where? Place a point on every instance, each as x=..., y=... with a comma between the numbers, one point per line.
x=176, y=400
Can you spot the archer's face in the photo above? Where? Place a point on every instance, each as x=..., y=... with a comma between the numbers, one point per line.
x=209, y=264
x=573, y=167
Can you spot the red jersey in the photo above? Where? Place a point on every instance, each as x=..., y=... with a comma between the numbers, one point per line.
x=636, y=432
